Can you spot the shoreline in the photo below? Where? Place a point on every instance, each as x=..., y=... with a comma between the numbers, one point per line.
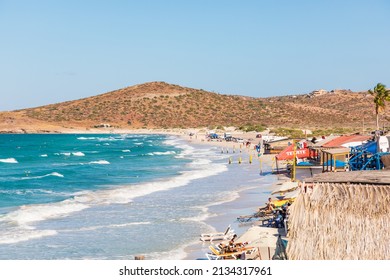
x=254, y=192
x=183, y=132
x=226, y=214
x=250, y=189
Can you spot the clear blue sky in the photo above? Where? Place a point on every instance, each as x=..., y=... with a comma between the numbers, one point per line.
x=54, y=51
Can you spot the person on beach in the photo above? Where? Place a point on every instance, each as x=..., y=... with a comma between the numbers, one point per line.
x=231, y=246
x=268, y=208
x=231, y=242
x=278, y=219
x=285, y=218
x=228, y=248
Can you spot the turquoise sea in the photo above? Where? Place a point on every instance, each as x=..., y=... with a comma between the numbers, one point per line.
x=107, y=196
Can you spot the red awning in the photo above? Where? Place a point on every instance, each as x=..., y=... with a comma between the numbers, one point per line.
x=288, y=153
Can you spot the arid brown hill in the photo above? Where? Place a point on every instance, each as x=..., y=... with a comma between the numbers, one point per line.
x=162, y=105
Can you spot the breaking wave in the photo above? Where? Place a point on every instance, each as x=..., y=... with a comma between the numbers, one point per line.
x=9, y=160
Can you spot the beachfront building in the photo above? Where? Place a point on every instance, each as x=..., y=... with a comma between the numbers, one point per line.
x=341, y=216
x=333, y=152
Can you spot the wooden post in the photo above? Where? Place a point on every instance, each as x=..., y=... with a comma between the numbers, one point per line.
x=259, y=253
x=261, y=166
x=293, y=175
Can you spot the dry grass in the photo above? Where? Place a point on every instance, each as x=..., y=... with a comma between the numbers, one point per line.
x=162, y=105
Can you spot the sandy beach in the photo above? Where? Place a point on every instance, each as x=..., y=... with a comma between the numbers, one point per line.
x=259, y=183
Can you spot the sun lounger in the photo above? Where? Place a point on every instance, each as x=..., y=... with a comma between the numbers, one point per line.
x=258, y=214
x=217, y=236
x=239, y=253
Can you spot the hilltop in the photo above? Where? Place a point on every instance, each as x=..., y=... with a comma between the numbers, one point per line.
x=163, y=105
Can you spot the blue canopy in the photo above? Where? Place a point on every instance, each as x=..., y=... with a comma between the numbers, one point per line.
x=339, y=163
x=305, y=163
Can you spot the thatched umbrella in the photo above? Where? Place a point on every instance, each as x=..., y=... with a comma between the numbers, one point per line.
x=286, y=187
x=337, y=221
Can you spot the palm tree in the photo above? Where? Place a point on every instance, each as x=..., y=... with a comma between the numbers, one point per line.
x=380, y=96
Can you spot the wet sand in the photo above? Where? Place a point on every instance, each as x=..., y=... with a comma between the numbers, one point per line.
x=256, y=189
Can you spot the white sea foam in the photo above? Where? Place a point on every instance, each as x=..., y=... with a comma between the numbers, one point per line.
x=26, y=192
x=18, y=234
x=172, y=141
x=86, y=138
x=55, y=174
x=9, y=160
x=110, y=138
x=126, y=151
x=225, y=197
x=28, y=214
x=126, y=194
x=200, y=161
x=44, y=155
x=99, y=162
x=165, y=153
x=120, y=195
x=178, y=253
x=161, y=153
x=92, y=228
x=200, y=218
x=18, y=226
x=68, y=154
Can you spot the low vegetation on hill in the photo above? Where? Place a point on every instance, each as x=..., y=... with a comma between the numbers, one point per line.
x=162, y=105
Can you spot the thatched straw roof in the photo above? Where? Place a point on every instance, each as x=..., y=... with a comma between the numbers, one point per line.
x=341, y=220
x=355, y=177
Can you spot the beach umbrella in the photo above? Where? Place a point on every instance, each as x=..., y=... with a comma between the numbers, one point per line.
x=286, y=187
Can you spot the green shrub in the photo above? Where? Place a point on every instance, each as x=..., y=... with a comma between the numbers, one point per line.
x=250, y=127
